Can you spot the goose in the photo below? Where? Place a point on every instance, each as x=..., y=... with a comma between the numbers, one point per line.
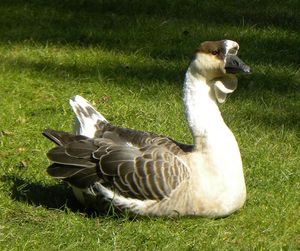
x=148, y=174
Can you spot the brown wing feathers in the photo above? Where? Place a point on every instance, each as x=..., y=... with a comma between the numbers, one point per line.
x=146, y=171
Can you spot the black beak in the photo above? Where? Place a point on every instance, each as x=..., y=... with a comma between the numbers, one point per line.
x=235, y=65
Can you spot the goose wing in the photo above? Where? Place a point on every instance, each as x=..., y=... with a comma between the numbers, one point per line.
x=134, y=164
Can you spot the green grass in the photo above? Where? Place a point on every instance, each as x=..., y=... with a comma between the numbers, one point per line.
x=129, y=59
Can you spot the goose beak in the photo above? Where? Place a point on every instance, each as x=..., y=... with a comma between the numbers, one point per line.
x=235, y=65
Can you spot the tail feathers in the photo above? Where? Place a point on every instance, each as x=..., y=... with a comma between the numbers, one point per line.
x=86, y=115
x=76, y=176
x=62, y=138
x=73, y=162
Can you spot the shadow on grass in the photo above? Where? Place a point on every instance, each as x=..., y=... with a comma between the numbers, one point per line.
x=163, y=29
x=104, y=68
x=58, y=197
x=263, y=88
x=160, y=29
x=279, y=82
x=51, y=196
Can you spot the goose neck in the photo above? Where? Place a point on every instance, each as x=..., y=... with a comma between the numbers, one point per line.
x=202, y=112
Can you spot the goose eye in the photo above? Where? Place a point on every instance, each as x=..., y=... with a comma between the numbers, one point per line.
x=215, y=52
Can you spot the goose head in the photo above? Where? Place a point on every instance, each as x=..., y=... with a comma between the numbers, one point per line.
x=217, y=63
x=214, y=59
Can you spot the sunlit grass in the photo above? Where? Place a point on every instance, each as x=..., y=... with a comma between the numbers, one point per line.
x=129, y=60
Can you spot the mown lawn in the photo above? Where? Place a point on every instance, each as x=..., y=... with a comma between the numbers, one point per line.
x=129, y=58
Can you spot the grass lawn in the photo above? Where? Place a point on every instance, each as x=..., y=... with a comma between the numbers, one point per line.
x=129, y=58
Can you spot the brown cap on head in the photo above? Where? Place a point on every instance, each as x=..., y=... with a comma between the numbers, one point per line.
x=222, y=47
x=212, y=47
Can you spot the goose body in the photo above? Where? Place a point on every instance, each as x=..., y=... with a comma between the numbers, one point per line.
x=149, y=174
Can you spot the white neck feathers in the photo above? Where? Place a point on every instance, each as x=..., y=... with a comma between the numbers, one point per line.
x=203, y=114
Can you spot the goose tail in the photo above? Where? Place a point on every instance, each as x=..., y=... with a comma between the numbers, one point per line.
x=61, y=138
x=71, y=159
x=87, y=117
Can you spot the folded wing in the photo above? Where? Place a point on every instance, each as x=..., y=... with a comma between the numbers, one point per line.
x=134, y=164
